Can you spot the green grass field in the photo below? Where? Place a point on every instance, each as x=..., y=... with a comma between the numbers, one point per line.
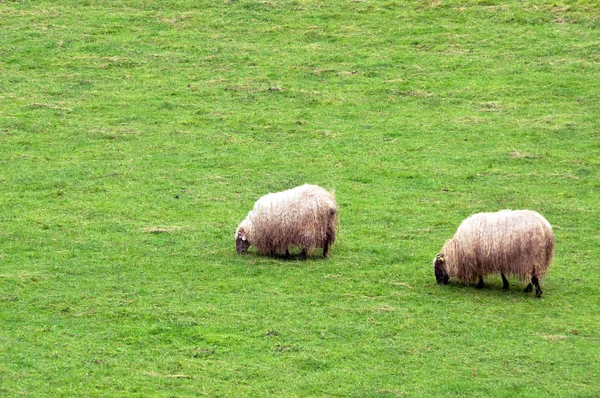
x=135, y=135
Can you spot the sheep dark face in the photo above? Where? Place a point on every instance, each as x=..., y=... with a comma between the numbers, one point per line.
x=439, y=267
x=241, y=242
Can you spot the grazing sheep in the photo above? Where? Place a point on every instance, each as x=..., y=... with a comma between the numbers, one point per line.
x=304, y=216
x=519, y=242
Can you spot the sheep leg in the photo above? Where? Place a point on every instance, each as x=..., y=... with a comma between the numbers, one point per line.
x=529, y=288
x=287, y=255
x=536, y=283
x=302, y=255
x=480, y=283
x=504, y=282
x=326, y=248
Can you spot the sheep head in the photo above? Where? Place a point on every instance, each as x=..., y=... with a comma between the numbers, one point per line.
x=439, y=267
x=241, y=241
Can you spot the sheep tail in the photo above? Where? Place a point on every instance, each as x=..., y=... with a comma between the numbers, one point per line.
x=330, y=232
x=332, y=225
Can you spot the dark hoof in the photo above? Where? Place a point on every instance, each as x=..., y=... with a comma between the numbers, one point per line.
x=538, y=295
x=528, y=289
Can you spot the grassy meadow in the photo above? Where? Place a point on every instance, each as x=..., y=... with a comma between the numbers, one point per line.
x=135, y=135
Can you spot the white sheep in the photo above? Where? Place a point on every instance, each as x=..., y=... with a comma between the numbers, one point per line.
x=305, y=216
x=519, y=242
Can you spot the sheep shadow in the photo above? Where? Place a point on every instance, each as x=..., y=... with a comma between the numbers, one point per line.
x=492, y=287
x=294, y=256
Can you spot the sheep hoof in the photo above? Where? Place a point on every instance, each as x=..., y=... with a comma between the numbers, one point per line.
x=528, y=289
x=287, y=256
x=479, y=284
x=538, y=295
x=504, y=282
x=302, y=255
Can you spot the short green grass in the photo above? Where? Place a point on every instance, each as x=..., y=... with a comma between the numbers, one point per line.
x=135, y=135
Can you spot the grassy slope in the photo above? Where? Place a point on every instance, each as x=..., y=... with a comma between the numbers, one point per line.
x=118, y=118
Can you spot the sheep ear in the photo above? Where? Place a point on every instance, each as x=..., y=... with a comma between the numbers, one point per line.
x=440, y=258
x=241, y=235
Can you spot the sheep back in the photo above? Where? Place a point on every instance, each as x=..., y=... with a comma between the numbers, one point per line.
x=519, y=242
x=304, y=216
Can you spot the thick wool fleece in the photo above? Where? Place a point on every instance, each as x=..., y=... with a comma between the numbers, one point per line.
x=519, y=242
x=304, y=216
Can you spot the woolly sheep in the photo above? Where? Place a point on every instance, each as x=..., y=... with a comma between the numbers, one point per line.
x=519, y=242
x=304, y=216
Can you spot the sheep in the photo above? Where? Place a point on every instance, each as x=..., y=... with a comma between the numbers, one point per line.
x=304, y=216
x=519, y=242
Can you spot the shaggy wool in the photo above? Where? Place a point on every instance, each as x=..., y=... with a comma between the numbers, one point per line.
x=519, y=242
x=305, y=216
